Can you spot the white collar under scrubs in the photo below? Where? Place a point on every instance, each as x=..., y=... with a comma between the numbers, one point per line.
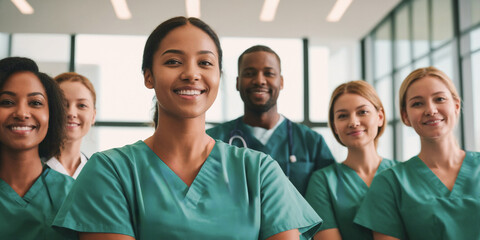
x=54, y=164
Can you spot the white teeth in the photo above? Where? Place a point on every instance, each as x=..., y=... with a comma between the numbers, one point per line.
x=23, y=128
x=189, y=92
x=433, y=122
x=72, y=125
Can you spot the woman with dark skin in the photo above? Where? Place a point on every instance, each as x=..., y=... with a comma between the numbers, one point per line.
x=32, y=123
x=180, y=183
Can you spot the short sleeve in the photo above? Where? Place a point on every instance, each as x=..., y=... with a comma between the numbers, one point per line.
x=379, y=211
x=283, y=208
x=97, y=201
x=319, y=197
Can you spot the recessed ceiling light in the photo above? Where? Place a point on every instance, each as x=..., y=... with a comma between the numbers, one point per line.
x=23, y=6
x=193, y=8
x=338, y=10
x=121, y=9
x=269, y=10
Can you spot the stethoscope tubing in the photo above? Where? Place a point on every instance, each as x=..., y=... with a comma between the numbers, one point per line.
x=238, y=134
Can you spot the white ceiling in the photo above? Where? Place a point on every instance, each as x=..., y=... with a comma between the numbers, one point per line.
x=230, y=18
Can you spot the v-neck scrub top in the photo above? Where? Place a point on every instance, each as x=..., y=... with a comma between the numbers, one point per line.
x=336, y=192
x=308, y=146
x=30, y=216
x=409, y=201
x=238, y=194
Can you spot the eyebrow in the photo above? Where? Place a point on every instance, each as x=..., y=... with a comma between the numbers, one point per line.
x=344, y=110
x=14, y=94
x=420, y=97
x=176, y=51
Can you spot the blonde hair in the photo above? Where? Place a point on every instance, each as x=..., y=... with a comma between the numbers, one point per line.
x=364, y=90
x=419, y=74
x=75, y=77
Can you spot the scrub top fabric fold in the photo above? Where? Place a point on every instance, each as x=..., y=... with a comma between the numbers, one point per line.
x=336, y=192
x=238, y=194
x=409, y=201
x=30, y=216
x=309, y=148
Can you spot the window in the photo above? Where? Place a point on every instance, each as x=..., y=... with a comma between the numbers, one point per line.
x=51, y=52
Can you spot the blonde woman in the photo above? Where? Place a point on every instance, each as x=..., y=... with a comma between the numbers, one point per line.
x=434, y=195
x=80, y=97
x=357, y=120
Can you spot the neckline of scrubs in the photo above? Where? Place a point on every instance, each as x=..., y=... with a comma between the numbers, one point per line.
x=29, y=195
x=353, y=172
x=279, y=133
x=431, y=177
x=195, y=191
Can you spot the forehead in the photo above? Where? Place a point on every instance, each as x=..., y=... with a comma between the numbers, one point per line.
x=187, y=38
x=259, y=59
x=23, y=82
x=426, y=86
x=350, y=101
x=75, y=88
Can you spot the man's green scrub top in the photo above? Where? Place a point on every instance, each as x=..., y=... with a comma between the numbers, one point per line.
x=308, y=146
x=237, y=194
x=30, y=216
x=409, y=201
x=336, y=192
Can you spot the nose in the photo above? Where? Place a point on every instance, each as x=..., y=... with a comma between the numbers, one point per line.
x=431, y=109
x=259, y=79
x=22, y=112
x=71, y=111
x=353, y=122
x=190, y=72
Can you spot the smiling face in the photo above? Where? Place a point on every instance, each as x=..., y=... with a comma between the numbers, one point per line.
x=23, y=112
x=185, y=72
x=80, y=109
x=356, y=120
x=259, y=81
x=430, y=108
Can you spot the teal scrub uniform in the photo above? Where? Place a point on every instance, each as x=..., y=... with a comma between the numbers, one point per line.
x=30, y=216
x=409, y=201
x=308, y=146
x=237, y=194
x=336, y=192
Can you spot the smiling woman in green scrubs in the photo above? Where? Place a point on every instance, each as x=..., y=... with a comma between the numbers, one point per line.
x=434, y=195
x=180, y=183
x=357, y=120
x=32, y=123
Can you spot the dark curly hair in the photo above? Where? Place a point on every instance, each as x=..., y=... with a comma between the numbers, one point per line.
x=56, y=133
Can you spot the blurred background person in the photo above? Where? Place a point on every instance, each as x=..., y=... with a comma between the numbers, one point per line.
x=80, y=99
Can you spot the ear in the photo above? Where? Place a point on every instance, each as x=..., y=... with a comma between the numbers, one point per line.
x=94, y=115
x=381, y=116
x=405, y=118
x=281, y=82
x=237, y=85
x=148, y=79
x=457, y=106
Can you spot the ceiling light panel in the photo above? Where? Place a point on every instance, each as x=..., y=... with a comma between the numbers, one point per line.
x=338, y=10
x=269, y=10
x=193, y=8
x=23, y=6
x=121, y=9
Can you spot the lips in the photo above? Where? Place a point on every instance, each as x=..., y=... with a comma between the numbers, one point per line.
x=432, y=122
x=21, y=129
x=355, y=133
x=189, y=91
x=258, y=90
x=73, y=124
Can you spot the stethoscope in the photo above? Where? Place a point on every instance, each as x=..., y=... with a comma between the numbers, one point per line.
x=236, y=133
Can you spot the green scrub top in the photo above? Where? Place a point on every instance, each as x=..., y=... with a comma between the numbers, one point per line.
x=30, y=216
x=336, y=192
x=308, y=146
x=238, y=194
x=409, y=201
